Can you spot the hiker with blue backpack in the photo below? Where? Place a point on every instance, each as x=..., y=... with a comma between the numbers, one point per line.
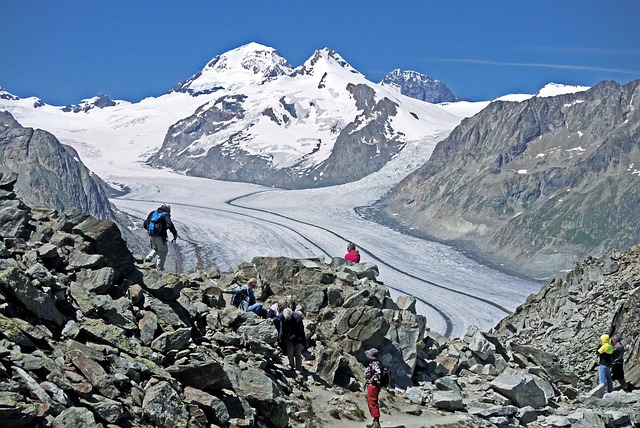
x=156, y=225
x=244, y=298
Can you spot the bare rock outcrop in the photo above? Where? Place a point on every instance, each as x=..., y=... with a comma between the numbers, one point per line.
x=101, y=338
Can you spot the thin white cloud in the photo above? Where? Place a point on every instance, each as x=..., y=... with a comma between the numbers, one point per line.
x=565, y=50
x=540, y=65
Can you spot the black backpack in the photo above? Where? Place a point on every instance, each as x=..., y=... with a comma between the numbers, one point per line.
x=238, y=297
x=385, y=375
x=156, y=224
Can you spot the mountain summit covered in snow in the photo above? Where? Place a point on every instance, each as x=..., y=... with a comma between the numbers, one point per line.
x=250, y=116
x=322, y=123
x=251, y=64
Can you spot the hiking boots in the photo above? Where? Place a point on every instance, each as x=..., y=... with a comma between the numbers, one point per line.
x=374, y=425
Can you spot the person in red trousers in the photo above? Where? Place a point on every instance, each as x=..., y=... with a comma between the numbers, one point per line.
x=372, y=374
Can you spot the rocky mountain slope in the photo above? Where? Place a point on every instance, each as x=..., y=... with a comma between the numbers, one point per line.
x=419, y=86
x=560, y=326
x=536, y=185
x=91, y=337
x=51, y=174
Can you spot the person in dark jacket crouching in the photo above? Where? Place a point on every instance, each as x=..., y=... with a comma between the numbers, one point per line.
x=291, y=336
x=617, y=362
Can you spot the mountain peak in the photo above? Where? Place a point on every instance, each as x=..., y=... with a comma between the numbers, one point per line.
x=5, y=95
x=322, y=61
x=99, y=101
x=250, y=64
x=330, y=56
x=253, y=57
x=419, y=86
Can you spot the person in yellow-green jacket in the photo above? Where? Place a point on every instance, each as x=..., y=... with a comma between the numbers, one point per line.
x=605, y=353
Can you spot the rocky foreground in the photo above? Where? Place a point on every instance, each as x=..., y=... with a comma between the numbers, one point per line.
x=93, y=337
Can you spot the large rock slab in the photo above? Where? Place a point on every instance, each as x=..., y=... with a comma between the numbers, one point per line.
x=107, y=241
x=522, y=388
x=36, y=301
x=261, y=392
x=201, y=375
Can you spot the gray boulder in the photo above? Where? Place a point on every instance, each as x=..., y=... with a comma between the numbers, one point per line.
x=109, y=410
x=522, y=388
x=106, y=240
x=261, y=392
x=334, y=368
x=163, y=285
x=163, y=406
x=478, y=344
x=36, y=301
x=14, y=219
x=211, y=405
x=96, y=281
x=76, y=417
x=263, y=331
x=363, y=328
x=16, y=411
x=448, y=400
x=201, y=375
x=172, y=340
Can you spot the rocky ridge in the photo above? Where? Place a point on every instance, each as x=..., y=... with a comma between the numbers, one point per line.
x=51, y=174
x=99, y=101
x=536, y=185
x=92, y=336
x=420, y=86
x=560, y=326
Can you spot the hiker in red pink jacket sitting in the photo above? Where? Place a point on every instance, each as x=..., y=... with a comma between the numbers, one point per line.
x=353, y=255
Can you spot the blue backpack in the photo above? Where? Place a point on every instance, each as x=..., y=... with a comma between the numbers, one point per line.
x=156, y=224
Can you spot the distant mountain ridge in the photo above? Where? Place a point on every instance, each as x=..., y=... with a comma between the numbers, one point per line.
x=537, y=184
x=420, y=86
x=99, y=101
x=250, y=116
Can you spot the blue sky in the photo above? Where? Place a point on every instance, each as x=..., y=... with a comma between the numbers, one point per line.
x=64, y=51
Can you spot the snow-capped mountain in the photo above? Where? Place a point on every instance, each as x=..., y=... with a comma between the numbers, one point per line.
x=249, y=115
x=319, y=124
x=549, y=90
x=251, y=64
x=419, y=86
x=553, y=89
